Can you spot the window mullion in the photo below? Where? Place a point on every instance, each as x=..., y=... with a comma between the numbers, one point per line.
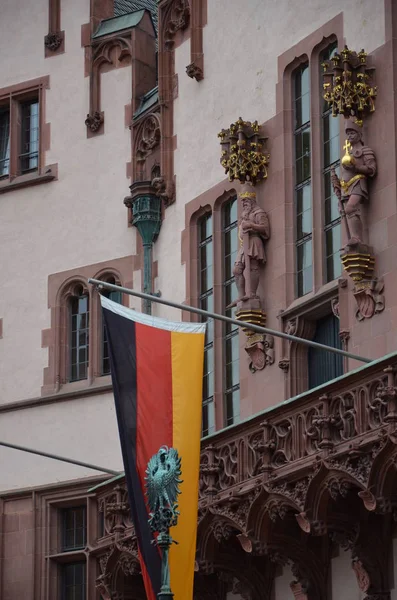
x=15, y=132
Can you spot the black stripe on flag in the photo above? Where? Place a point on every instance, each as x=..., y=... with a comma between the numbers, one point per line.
x=122, y=350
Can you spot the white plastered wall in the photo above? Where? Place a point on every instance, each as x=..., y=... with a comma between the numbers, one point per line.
x=282, y=585
x=79, y=219
x=83, y=429
x=343, y=580
x=242, y=43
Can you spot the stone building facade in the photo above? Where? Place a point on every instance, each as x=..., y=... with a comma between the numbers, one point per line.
x=110, y=112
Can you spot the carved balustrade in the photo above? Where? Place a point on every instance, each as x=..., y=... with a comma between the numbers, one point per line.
x=353, y=412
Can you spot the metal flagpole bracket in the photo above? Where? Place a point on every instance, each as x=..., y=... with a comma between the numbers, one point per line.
x=210, y=315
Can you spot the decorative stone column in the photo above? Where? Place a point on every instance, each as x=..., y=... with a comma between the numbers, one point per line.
x=145, y=209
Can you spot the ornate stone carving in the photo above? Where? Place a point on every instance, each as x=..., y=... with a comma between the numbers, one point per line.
x=149, y=136
x=242, y=156
x=222, y=530
x=254, y=230
x=111, y=51
x=347, y=85
x=209, y=472
x=369, y=297
x=335, y=307
x=94, y=121
x=179, y=18
x=164, y=190
x=284, y=364
x=53, y=40
x=361, y=573
x=358, y=164
x=195, y=72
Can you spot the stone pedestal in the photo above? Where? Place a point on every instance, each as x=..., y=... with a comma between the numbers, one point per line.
x=258, y=346
x=359, y=262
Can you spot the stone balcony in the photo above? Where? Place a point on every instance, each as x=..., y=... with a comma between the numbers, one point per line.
x=287, y=484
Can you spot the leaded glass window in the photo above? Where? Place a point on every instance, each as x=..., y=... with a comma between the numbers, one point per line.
x=206, y=302
x=74, y=528
x=79, y=336
x=73, y=581
x=4, y=141
x=105, y=358
x=331, y=156
x=29, y=157
x=303, y=189
x=231, y=333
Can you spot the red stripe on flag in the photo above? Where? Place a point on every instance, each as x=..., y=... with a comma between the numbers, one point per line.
x=154, y=400
x=154, y=392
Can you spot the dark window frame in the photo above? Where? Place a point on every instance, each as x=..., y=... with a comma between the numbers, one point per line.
x=330, y=225
x=74, y=334
x=67, y=567
x=5, y=141
x=104, y=358
x=205, y=296
x=14, y=104
x=302, y=129
x=230, y=333
x=27, y=136
x=72, y=512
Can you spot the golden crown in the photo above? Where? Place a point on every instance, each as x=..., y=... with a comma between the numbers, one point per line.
x=247, y=195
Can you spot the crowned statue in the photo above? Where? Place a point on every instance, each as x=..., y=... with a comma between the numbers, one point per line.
x=357, y=165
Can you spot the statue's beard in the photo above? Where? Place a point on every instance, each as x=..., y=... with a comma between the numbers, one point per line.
x=246, y=213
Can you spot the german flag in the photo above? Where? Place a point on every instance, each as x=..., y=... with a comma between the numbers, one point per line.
x=157, y=374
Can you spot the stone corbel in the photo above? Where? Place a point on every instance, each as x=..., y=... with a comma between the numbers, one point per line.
x=54, y=41
x=195, y=69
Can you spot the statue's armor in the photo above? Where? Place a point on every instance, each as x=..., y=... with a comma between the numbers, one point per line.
x=353, y=183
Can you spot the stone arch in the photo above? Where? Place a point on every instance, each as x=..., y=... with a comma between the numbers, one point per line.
x=69, y=288
x=382, y=479
x=327, y=484
x=110, y=52
x=120, y=562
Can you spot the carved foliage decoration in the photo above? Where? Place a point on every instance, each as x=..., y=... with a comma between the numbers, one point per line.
x=179, y=17
x=348, y=86
x=195, y=70
x=369, y=297
x=52, y=41
x=243, y=156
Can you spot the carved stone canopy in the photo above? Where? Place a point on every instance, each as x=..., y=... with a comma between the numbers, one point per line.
x=348, y=84
x=243, y=156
